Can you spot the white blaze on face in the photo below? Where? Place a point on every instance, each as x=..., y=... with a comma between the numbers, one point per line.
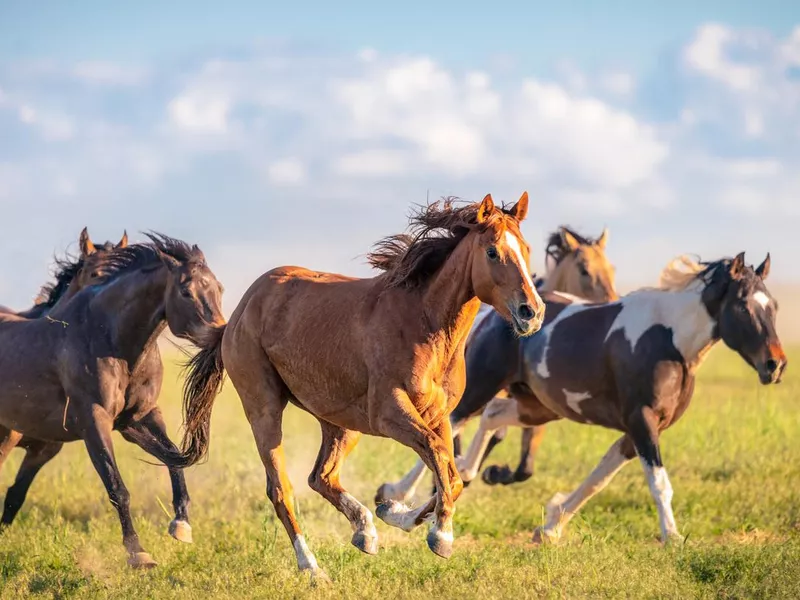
x=516, y=251
x=761, y=299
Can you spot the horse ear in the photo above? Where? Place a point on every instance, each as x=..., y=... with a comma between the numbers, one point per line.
x=763, y=269
x=520, y=210
x=570, y=240
x=123, y=243
x=485, y=209
x=87, y=247
x=737, y=266
x=603, y=239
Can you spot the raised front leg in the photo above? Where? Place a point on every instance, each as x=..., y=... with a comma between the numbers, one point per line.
x=499, y=413
x=529, y=446
x=643, y=428
x=150, y=434
x=96, y=426
x=401, y=421
x=337, y=443
x=37, y=454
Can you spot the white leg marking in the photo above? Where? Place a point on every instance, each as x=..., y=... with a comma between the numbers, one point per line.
x=513, y=243
x=562, y=507
x=574, y=399
x=401, y=516
x=661, y=489
x=407, y=486
x=305, y=559
x=500, y=412
x=365, y=523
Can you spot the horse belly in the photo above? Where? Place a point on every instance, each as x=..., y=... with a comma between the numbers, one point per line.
x=42, y=414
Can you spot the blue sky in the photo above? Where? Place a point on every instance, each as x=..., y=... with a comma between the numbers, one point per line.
x=301, y=132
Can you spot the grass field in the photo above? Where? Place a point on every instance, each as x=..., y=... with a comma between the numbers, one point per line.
x=734, y=461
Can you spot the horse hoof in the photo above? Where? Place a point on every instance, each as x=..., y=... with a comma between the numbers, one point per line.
x=495, y=474
x=181, y=531
x=141, y=560
x=440, y=543
x=385, y=508
x=541, y=537
x=368, y=544
x=319, y=577
x=384, y=494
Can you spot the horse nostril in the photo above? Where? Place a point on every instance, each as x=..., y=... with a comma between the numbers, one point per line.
x=525, y=312
x=772, y=365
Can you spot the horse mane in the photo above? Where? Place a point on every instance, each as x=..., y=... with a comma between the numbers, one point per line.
x=557, y=249
x=146, y=255
x=684, y=270
x=410, y=259
x=65, y=271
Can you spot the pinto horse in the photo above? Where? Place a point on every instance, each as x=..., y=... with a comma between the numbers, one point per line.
x=630, y=365
x=575, y=265
x=382, y=356
x=87, y=370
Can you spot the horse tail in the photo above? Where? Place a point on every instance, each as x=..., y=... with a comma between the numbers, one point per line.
x=204, y=378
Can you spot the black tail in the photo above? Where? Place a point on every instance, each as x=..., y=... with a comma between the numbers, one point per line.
x=204, y=378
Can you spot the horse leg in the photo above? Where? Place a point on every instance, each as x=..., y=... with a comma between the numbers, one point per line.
x=37, y=454
x=500, y=412
x=404, y=424
x=337, y=443
x=529, y=445
x=150, y=434
x=96, y=426
x=404, y=490
x=563, y=507
x=264, y=397
x=8, y=441
x=643, y=428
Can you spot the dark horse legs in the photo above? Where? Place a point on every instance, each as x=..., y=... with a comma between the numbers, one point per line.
x=150, y=434
x=37, y=455
x=97, y=426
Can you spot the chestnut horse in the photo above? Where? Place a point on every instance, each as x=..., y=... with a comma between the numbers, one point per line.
x=382, y=356
x=575, y=265
x=89, y=368
x=631, y=365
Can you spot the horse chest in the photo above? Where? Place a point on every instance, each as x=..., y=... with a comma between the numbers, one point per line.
x=435, y=395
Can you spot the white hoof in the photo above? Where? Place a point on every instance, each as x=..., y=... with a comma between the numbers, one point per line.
x=181, y=531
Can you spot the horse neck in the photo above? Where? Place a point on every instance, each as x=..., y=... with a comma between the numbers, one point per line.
x=693, y=327
x=134, y=304
x=449, y=300
x=555, y=280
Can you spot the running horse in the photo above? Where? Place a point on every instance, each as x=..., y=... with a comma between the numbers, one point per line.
x=89, y=368
x=382, y=356
x=575, y=265
x=630, y=365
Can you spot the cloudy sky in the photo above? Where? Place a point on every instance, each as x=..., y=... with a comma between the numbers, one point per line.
x=302, y=133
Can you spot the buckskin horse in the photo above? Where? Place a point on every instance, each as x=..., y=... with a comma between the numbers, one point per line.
x=382, y=356
x=575, y=265
x=630, y=365
x=86, y=370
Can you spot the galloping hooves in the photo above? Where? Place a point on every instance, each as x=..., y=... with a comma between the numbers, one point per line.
x=181, y=531
x=141, y=560
x=541, y=537
x=368, y=544
x=495, y=474
x=318, y=577
x=383, y=494
x=441, y=544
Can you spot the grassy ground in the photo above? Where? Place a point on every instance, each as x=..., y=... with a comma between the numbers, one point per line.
x=734, y=462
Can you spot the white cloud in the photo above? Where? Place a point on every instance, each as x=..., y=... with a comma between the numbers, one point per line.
x=288, y=171
x=108, y=73
x=200, y=113
x=619, y=83
x=707, y=55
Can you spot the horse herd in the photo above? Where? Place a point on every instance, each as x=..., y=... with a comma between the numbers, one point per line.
x=453, y=327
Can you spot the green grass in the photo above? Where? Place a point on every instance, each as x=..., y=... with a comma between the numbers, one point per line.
x=734, y=462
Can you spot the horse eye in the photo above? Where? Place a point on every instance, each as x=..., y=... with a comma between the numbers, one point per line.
x=583, y=270
x=186, y=293
x=491, y=252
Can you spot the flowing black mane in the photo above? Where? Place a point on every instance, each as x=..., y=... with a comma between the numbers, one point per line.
x=65, y=271
x=147, y=255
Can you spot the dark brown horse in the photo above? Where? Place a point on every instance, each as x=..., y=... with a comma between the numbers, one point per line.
x=630, y=365
x=87, y=370
x=382, y=356
x=576, y=265
x=71, y=276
